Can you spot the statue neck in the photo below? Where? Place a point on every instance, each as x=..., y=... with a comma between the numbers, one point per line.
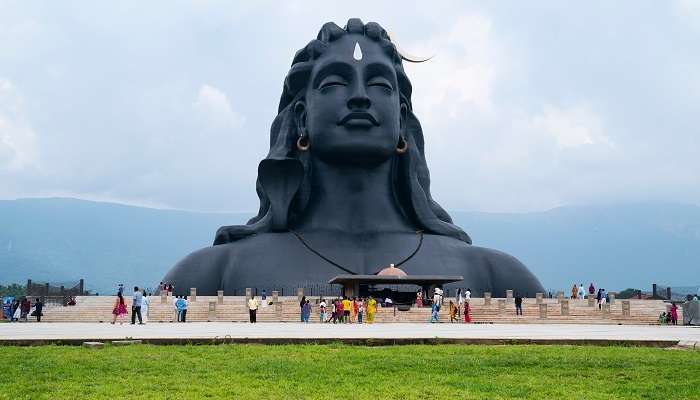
x=352, y=199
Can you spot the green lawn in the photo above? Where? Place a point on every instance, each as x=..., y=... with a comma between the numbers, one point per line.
x=349, y=372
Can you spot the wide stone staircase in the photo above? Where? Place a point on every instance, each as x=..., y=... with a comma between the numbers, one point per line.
x=286, y=309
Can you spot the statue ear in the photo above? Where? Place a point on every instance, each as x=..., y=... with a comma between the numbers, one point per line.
x=280, y=180
x=300, y=117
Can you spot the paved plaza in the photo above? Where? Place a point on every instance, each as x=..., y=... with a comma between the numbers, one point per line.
x=38, y=333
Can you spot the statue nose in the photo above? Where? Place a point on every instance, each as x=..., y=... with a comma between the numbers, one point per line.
x=359, y=100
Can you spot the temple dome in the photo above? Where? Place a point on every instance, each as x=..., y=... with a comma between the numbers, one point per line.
x=391, y=270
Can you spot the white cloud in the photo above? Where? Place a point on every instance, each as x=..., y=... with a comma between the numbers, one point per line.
x=463, y=72
x=571, y=127
x=215, y=108
x=18, y=148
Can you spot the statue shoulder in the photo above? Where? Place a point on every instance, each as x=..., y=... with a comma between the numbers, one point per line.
x=489, y=268
x=507, y=272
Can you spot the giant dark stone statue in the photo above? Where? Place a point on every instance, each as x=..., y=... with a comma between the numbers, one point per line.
x=345, y=187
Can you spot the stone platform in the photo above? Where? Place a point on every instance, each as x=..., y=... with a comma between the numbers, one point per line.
x=375, y=334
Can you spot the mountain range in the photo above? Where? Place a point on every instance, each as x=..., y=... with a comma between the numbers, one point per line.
x=613, y=246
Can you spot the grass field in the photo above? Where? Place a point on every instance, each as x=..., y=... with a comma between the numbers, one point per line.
x=349, y=372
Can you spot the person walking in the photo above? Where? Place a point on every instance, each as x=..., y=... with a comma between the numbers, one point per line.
x=574, y=292
x=25, y=307
x=460, y=302
x=419, y=298
x=322, y=311
x=185, y=303
x=581, y=292
x=306, y=311
x=434, y=312
x=674, y=314
x=136, y=300
x=252, y=309
x=177, y=309
x=353, y=315
x=591, y=289
x=145, y=304
x=347, y=305
x=518, y=304
x=453, y=312
x=371, y=309
x=119, y=309
x=301, y=308
x=38, y=308
x=467, y=316
x=598, y=297
x=360, y=310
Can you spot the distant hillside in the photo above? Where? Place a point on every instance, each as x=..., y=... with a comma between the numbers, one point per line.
x=613, y=246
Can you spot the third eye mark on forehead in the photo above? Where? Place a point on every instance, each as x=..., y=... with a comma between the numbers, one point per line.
x=346, y=70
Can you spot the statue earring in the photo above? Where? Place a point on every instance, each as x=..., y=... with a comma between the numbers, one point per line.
x=403, y=145
x=303, y=143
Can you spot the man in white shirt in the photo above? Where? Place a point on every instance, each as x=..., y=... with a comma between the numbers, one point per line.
x=136, y=306
x=252, y=308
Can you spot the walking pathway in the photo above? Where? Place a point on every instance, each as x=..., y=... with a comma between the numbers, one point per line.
x=208, y=332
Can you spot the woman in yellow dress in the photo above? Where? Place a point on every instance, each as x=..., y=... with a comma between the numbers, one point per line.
x=371, y=309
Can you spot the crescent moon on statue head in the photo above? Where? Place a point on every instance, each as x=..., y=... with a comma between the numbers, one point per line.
x=404, y=55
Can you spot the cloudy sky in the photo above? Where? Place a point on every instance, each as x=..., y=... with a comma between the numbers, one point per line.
x=525, y=106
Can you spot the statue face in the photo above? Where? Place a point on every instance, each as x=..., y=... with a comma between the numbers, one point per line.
x=352, y=111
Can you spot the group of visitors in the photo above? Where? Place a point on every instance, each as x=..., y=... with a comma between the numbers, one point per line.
x=181, y=303
x=166, y=287
x=19, y=310
x=139, y=306
x=670, y=317
x=579, y=292
x=343, y=310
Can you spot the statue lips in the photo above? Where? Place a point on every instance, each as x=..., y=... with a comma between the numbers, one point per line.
x=360, y=119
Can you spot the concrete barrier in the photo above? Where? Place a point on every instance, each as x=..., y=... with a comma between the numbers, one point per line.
x=591, y=300
x=163, y=296
x=212, y=310
x=193, y=295
x=300, y=293
x=248, y=292
x=220, y=297
x=487, y=298
x=539, y=298
x=543, y=310
x=275, y=296
x=626, y=308
x=509, y=296
x=564, y=306
x=501, y=306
